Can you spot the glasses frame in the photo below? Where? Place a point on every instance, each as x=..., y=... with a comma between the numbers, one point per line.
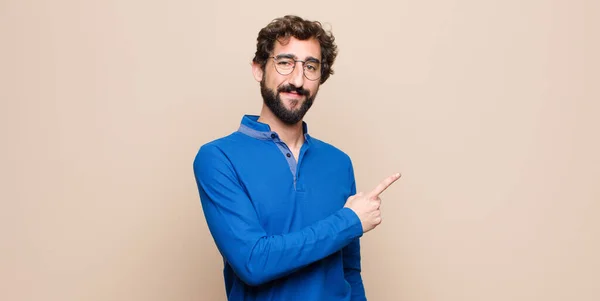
x=294, y=67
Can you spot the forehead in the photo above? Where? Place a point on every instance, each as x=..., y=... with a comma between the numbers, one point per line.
x=301, y=49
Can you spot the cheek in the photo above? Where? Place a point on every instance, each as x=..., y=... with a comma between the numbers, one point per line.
x=313, y=87
x=274, y=80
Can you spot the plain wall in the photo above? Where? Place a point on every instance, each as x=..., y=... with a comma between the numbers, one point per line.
x=488, y=108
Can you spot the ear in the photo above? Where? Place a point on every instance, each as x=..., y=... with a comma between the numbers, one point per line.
x=257, y=71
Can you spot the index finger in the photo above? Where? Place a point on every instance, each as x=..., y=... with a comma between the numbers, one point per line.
x=384, y=185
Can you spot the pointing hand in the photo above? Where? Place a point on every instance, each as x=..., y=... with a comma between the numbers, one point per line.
x=366, y=206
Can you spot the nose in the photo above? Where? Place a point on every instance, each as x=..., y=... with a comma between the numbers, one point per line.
x=297, y=76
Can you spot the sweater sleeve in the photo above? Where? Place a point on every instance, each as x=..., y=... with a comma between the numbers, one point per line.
x=352, y=260
x=256, y=257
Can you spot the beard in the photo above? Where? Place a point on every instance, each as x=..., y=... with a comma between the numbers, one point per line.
x=275, y=104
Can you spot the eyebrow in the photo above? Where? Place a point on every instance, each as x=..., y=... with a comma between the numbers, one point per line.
x=291, y=56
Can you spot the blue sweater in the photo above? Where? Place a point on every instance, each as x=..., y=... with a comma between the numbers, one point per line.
x=280, y=224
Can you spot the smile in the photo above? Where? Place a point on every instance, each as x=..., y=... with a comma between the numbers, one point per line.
x=292, y=94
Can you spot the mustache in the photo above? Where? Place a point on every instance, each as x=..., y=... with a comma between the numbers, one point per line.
x=292, y=88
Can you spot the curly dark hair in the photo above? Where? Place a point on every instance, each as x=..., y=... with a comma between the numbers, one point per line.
x=281, y=29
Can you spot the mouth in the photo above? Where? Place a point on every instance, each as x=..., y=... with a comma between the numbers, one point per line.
x=292, y=94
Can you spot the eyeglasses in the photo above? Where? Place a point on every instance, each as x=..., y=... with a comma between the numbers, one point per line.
x=286, y=65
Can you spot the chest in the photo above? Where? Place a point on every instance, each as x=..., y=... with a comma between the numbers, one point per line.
x=285, y=202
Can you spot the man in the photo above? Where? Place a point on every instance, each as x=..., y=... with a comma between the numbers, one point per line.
x=281, y=205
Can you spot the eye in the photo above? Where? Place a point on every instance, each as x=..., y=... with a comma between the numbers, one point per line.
x=285, y=62
x=312, y=66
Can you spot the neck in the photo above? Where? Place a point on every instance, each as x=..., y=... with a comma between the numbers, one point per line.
x=292, y=135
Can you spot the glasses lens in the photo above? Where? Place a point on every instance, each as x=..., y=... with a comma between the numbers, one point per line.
x=284, y=65
x=312, y=70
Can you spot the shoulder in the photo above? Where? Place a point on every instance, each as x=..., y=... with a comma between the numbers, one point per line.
x=331, y=151
x=232, y=141
x=216, y=150
x=333, y=159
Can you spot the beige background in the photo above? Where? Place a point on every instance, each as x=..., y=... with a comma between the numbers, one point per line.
x=488, y=108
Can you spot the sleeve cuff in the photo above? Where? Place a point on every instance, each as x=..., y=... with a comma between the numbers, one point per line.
x=356, y=228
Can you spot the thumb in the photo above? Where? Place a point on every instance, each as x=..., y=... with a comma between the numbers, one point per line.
x=355, y=196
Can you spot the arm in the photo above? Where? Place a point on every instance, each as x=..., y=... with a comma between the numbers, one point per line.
x=352, y=258
x=351, y=254
x=254, y=256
